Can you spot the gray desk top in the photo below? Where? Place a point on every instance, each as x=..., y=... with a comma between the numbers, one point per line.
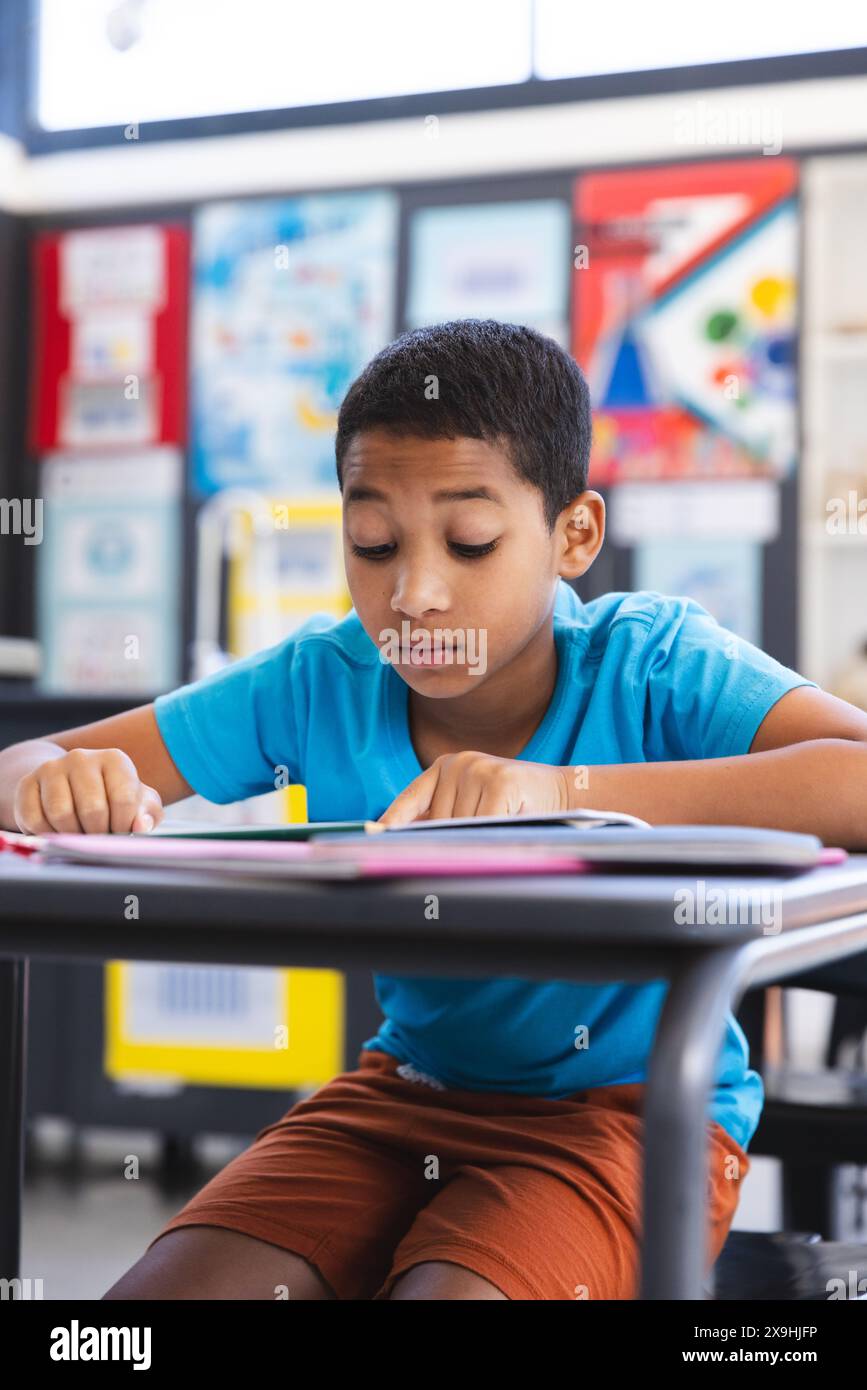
x=79, y=912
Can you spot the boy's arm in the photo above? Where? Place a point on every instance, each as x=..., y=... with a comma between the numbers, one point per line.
x=806, y=771
x=98, y=777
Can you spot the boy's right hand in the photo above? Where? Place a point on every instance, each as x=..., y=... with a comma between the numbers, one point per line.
x=89, y=791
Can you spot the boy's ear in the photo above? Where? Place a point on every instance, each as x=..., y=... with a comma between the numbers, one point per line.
x=581, y=531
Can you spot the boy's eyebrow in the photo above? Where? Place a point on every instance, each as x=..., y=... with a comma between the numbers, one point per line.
x=470, y=494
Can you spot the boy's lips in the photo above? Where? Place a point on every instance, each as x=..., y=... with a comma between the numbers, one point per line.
x=427, y=656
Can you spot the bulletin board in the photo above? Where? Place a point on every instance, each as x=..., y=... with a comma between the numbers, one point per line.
x=153, y=1039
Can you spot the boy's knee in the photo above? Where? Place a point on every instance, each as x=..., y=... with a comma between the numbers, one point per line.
x=207, y=1262
x=441, y=1279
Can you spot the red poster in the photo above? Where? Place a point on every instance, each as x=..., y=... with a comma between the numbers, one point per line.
x=685, y=315
x=110, y=327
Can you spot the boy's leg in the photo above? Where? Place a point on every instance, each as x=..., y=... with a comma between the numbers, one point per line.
x=206, y=1262
x=435, y=1279
x=542, y=1200
x=314, y=1208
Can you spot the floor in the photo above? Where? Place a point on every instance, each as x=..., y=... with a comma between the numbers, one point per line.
x=85, y=1222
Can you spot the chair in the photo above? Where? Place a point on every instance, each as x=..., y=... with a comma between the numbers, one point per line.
x=757, y=1266
x=812, y=1122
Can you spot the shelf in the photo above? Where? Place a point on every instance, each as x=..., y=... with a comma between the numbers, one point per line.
x=834, y=345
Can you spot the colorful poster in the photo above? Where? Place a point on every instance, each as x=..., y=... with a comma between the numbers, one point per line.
x=724, y=576
x=291, y=299
x=110, y=329
x=685, y=317
x=108, y=573
x=505, y=261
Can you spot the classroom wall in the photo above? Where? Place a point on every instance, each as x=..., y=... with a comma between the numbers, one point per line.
x=135, y=178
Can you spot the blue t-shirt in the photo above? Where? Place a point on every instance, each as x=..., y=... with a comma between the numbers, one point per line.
x=640, y=678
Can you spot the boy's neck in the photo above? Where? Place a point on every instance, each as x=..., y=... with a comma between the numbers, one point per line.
x=500, y=718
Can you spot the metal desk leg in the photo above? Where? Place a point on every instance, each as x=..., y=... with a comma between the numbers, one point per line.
x=13, y=1046
x=680, y=1078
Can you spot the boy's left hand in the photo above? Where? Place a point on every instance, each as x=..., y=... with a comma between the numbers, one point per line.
x=478, y=784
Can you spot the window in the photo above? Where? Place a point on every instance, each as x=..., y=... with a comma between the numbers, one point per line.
x=102, y=63
x=106, y=63
x=679, y=33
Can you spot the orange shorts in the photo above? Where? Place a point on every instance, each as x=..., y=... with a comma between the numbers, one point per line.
x=379, y=1171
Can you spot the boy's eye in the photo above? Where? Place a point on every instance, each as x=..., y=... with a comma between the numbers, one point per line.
x=472, y=552
x=371, y=552
x=381, y=552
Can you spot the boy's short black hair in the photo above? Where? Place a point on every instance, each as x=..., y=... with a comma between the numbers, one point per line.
x=499, y=382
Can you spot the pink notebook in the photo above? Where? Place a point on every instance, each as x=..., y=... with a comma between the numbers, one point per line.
x=294, y=859
x=340, y=857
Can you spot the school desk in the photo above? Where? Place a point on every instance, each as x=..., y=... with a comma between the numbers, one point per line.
x=600, y=927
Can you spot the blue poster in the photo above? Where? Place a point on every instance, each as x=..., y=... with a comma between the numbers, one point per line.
x=506, y=261
x=291, y=297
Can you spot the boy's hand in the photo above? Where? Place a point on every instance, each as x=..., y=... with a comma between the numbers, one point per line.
x=89, y=790
x=478, y=784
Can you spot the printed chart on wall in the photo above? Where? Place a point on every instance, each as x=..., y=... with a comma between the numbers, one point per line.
x=684, y=318
x=291, y=298
x=508, y=261
x=109, y=325
x=108, y=576
x=223, y=1025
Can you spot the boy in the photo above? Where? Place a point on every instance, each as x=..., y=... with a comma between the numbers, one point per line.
x=479, y=1150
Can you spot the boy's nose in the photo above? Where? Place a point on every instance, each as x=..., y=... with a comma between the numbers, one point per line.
x=418, y=593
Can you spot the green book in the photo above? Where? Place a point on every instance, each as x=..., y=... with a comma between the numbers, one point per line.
x=190, y=831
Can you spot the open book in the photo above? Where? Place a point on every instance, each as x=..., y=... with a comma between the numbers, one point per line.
x=525, y=848
x=585, y=820
x=602, y=838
